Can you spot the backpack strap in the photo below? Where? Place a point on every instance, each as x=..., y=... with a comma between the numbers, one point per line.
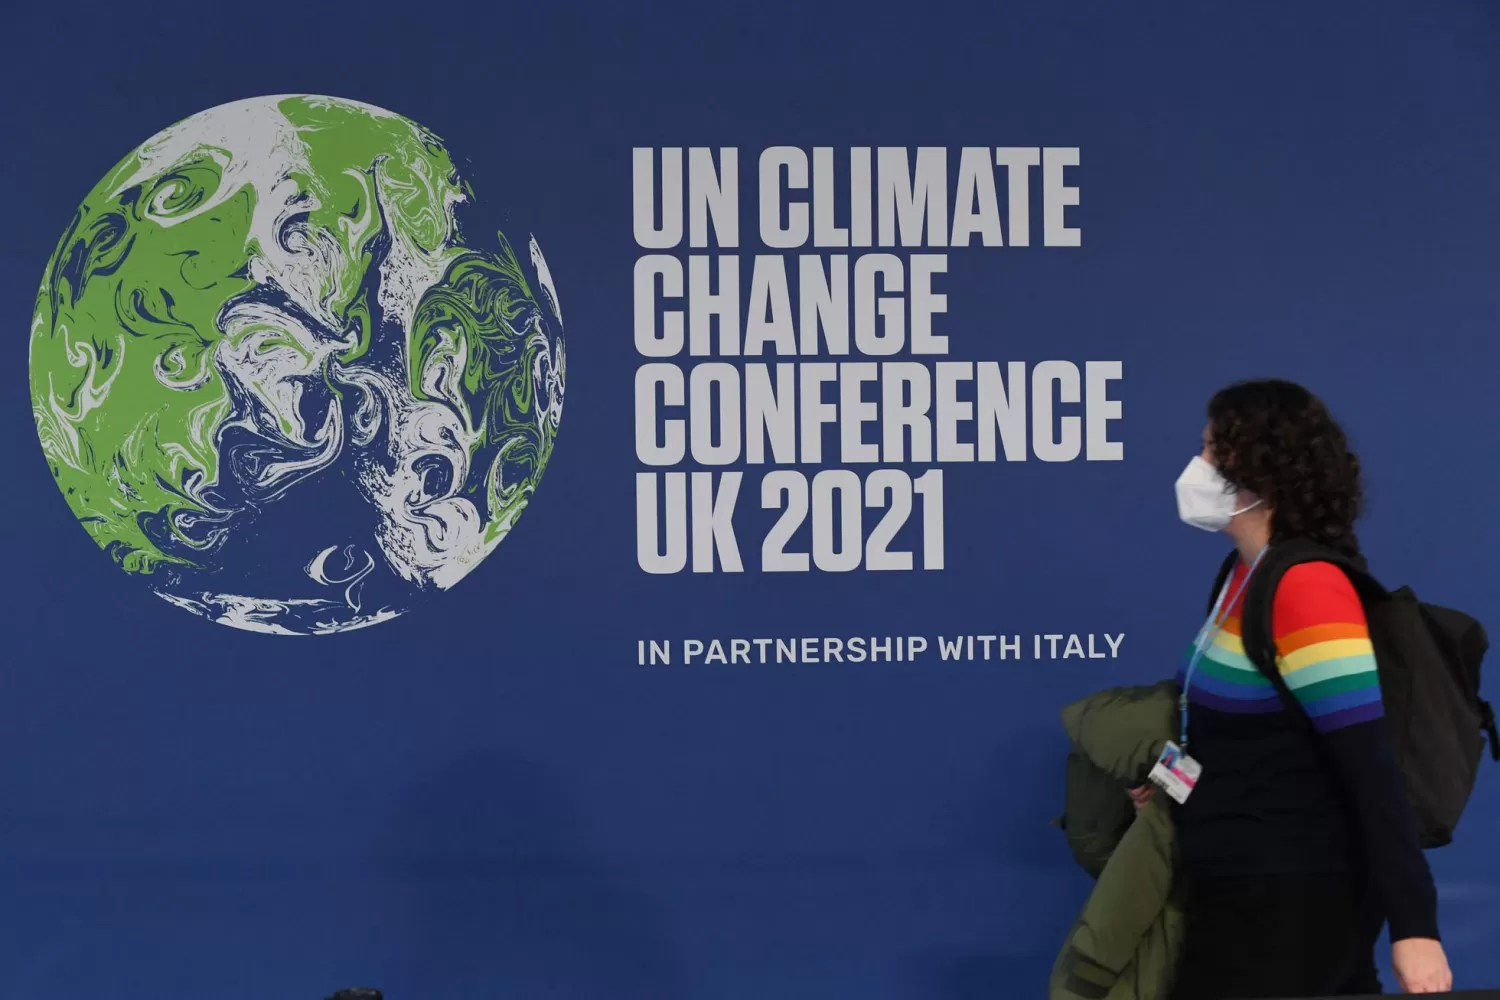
x=1487, y=723
x=1255, y=623
x=1230, y=561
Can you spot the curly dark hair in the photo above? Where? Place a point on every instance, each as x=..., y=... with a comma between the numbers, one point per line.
x=1277, y=440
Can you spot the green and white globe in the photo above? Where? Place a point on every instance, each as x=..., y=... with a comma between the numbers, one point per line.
x=276, y=382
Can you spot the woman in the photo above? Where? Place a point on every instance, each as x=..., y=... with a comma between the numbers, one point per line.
x=1285, y=831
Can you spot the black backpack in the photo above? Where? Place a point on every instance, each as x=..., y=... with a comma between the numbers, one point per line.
x=1428, y=658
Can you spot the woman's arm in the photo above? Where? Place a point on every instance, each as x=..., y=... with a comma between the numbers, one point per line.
x=1324, y=653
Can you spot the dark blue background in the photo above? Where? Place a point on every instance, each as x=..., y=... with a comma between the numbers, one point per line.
x=486, y=798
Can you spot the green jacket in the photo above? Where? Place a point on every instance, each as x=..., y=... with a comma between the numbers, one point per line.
x=1125, y=944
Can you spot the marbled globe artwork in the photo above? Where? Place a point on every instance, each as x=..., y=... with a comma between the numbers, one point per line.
x=277, y=382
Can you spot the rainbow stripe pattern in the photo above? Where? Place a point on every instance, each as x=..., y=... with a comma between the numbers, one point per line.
x=1323, y=651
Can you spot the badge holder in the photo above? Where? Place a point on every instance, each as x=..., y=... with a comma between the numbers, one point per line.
x=1175, y=773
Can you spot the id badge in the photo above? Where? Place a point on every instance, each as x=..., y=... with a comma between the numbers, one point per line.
x=1175, y=773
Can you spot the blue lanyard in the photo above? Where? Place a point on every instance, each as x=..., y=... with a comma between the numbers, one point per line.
x=1205, y=639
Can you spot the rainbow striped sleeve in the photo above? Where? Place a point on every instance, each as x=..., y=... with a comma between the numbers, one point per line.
x=1323, y=647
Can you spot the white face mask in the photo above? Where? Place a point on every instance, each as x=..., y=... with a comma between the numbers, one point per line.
x=1204, y=499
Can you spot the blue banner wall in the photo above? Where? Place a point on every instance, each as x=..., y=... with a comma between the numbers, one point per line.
x=499, y=788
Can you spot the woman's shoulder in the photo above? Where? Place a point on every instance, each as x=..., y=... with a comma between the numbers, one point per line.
x=1315, y=575
x=1313, y=593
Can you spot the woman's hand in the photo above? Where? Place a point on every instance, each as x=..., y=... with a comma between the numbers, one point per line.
x=1421, y=966
x=1140, y=796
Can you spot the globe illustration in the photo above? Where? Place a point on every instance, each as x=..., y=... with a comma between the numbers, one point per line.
x=275, y=380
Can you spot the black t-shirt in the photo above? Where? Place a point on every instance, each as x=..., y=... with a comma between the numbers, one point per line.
x=1279, y=797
